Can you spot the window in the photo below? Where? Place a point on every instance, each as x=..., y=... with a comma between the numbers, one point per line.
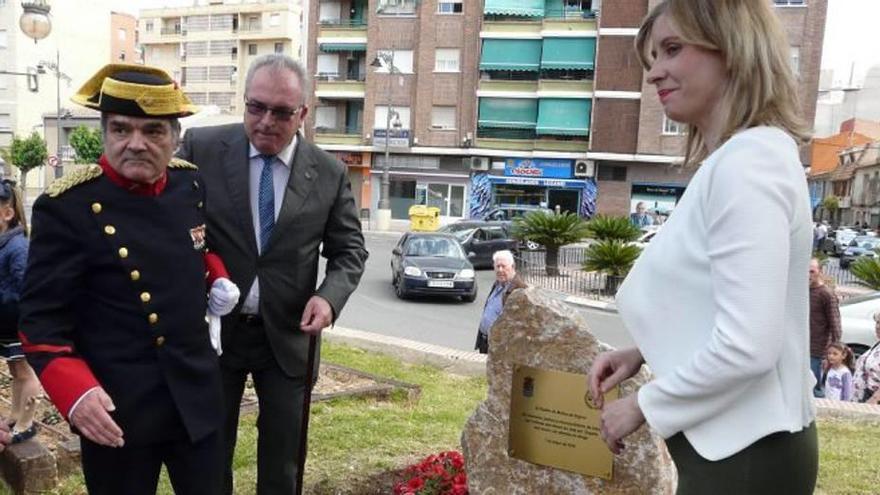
x=796, y=61
x=220, y=73
x=329, y=12
x=222, y=47
x=396, y=7
x=221, y=99
x=198, y=98
x=403, y=61
x=197, y=22
x=611, y=173
x=672, y=128
x=446, y=60
x=148, y=26
x=120, y=34
x=252, y=48
x=328, y=65
x=325, y=118
x=195, y=74
x=443, y=118
x=279, y=47
x=196, y=49
x=221, y=22
x=449, y=7
x=275, y=20
x=401, y=117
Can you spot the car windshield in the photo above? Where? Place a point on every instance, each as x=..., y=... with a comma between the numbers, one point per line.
x=462, y=235
x=456, y=227
x=865, y=242
x=434, y=247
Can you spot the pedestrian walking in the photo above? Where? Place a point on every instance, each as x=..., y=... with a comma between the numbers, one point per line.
x=506, y=281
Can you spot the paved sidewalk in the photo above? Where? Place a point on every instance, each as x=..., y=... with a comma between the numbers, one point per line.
x=471, y=363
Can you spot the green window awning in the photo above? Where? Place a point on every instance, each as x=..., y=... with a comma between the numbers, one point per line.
x=564, y=116
x=525, y=8
x=508, y=113
x=522, y=55
x=343, y=47
x=568, y=53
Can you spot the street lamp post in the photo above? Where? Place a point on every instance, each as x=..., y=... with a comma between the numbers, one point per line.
x=383, y=212
x=36, y=24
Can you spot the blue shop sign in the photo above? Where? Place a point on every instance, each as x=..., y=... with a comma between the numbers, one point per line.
x=538, y=168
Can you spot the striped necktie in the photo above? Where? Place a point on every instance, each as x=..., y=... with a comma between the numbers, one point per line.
x=266, y=201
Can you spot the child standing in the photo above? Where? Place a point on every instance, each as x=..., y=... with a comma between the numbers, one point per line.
x=13, y=259
x=838, y=376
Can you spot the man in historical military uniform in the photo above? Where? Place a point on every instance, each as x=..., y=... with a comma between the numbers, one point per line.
x=113, y=309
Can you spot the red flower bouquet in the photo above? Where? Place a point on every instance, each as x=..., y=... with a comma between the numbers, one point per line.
x=440, y=474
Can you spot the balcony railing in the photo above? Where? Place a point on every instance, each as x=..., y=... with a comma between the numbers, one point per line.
x=350, y=23
x=569, y=14
x=171, y=31
x=253, y=28
x=339, y=130
x=351, y=76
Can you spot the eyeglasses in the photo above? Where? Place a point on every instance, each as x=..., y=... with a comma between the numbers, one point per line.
x=7, y=189
x=258, y=109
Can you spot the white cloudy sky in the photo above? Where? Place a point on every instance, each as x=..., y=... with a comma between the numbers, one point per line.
x=851, y=42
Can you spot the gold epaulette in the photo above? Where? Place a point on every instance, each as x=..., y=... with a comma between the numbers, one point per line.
x=181, y=163
x=73, y=179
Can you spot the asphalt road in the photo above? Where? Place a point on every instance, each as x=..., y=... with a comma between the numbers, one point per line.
x=439, y=321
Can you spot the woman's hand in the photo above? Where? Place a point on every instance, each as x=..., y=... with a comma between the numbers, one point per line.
x=611, y=368
x=619, y=419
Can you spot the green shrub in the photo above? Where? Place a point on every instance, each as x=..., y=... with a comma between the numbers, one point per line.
x=605, y=228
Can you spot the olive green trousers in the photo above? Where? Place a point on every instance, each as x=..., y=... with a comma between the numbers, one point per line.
x=780, y=463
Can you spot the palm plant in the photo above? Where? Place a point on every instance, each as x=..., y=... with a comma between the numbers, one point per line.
x=867, y=270
x=552, y=230
x=604, y=227
x=612, y=257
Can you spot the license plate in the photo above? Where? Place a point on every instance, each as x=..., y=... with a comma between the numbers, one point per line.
x=448, y=284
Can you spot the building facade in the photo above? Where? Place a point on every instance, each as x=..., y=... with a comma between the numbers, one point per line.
x=77, y=46
x=539, y=102
x=124, y=46
x=207, y=48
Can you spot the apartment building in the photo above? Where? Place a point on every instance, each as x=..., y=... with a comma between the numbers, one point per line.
x=124, y=39
x=208, y=47
x=77, y=46
x=489, y=102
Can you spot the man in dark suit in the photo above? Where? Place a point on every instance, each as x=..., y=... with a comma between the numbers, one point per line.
x=506, y=281
x=114, y=300
x=275, y=202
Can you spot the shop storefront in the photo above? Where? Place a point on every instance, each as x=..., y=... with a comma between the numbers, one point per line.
x=549, y=183
x=358, y=168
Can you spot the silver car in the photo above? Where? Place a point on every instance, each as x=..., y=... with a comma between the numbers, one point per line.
x=857, y=321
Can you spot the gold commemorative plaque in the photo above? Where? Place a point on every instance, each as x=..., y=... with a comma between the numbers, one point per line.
x=553, y=422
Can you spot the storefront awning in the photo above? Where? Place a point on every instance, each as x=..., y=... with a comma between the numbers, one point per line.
x=564, y=116
x=343, y=47
x=568, y=53
x=525, y=8
x=530, y=181
x=523, y=55
x=508, y=113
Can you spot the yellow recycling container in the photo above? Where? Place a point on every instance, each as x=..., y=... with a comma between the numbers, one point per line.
x=424, y=218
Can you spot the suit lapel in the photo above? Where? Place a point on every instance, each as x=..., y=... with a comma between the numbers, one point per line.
x=299, y=186
x=237, y=166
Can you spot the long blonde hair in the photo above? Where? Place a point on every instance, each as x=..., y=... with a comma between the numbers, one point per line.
x=761, y=88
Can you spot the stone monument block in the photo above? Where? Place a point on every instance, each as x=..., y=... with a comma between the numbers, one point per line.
x=541, y=332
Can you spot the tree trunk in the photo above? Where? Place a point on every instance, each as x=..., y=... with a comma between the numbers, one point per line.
x=23, y=188
x=552, y=261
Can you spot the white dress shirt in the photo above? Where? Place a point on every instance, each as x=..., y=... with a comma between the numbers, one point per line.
x=718, y=302
x=280, y=176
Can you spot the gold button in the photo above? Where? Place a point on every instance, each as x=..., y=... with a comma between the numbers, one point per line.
x=109, y=230
x=135, y=275
x=145, y=297
x=153, y=318
x=96, y=207
x=123, y=252
x=160, y=341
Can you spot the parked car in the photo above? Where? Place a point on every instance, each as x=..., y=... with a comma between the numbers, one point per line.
x=838, y=240
x=432, y=264
x=857, y=321
x=511, y=211
x=480, y=239
x=862, y=246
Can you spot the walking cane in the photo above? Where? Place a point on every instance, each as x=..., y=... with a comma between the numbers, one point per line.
x=304, y=426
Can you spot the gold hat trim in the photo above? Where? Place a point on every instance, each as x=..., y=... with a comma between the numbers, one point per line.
x=154, y=100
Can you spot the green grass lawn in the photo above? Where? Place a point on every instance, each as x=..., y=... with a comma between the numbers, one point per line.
x=352, y=440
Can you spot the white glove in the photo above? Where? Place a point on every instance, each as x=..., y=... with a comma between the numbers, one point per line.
x=223, y=297
x=214, y=332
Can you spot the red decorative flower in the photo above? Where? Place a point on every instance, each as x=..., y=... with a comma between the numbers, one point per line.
x=437, y=474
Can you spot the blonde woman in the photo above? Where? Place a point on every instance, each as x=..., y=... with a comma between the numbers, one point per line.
x=728, y=272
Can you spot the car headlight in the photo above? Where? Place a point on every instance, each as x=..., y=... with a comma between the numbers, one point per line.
x=412, y=271
x=467, y=273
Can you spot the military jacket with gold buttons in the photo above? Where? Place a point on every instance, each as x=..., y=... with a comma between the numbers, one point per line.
x=115, y=296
